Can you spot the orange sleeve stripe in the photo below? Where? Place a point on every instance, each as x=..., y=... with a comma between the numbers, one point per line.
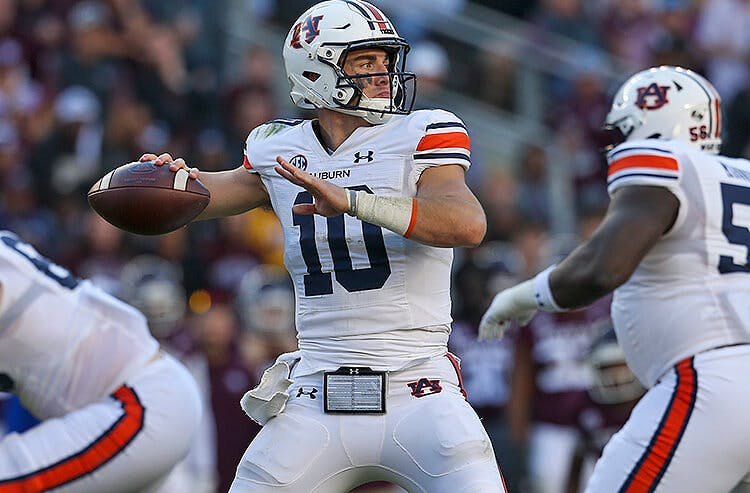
x=105, y=448
x=648, y=473
x=413, y=220
x=643, y=161
x=449, y=140
x=247, y=164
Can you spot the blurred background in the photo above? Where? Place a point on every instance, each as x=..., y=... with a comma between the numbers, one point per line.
x=86, y=86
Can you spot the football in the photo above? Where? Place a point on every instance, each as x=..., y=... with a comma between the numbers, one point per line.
x=146, y=199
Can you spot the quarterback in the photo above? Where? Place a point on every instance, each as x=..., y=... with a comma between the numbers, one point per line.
x=117, y=414
x=674, y=247
x=371, y=197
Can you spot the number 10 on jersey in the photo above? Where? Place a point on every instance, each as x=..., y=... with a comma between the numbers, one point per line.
x=318, y=282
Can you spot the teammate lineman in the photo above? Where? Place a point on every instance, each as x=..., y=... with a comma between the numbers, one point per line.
x=674, y=247
x=117, y=414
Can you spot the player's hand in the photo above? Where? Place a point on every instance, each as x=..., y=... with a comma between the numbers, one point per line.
x=329, y=199
x=174, y=164
x=516, y=304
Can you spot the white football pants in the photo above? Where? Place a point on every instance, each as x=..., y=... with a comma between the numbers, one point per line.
x=433, y=443
x=125, y=443
x=689, y=433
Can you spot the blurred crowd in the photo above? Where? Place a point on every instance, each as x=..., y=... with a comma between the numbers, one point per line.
x=88, y=85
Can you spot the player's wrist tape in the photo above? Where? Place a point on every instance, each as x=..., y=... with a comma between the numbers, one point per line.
x=399, y=214
x=543, y=294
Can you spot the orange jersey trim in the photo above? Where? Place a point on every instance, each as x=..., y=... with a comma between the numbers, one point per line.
x=658, y=455
x=246, y=163
x=413, y=219
x=457, y=367
x=643, y=161
x=92, y=457
x=449, y=140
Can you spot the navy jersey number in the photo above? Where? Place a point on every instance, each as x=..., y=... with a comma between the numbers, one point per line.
x=737, y=235
x=59, y=274
x=318, y=282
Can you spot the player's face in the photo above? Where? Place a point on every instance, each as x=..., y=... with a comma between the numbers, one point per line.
x=370, y=61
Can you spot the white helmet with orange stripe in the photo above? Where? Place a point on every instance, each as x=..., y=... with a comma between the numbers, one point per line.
x=667, y=103
x=317, y=46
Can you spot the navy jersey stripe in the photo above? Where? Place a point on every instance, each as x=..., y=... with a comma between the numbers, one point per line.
x=628, y=149
x=287, y=121
x=433, y=126
x=653, y=175
x=442, y=155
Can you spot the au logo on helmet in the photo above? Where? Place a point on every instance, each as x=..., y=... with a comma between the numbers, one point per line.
x=652, y=97
x=310, y=27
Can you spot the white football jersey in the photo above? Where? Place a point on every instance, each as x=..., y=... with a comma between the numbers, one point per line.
x=690, y=292
x=63, y=342
x=365, y=295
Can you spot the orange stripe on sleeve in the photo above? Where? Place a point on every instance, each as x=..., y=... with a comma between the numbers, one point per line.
x=413, y=220
x=447, y=140
x=92, y=457
x=247, y=164
x=643, y=161
x=668, y=435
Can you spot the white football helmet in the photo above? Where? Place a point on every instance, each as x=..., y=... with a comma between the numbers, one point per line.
x=265, y=301
x=317, y=46
x=667, y=103
x=613, y=382
x=153, y=285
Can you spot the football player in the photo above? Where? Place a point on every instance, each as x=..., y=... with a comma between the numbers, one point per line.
x=674, y=248
x=604, y=409
x=371, y=198
x=117, y=413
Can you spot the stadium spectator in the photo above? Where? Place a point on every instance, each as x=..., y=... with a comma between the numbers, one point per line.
x=723, y=37
x=154, y=286
x=550, y=373
x=69, y=158
x=216, y=335
x=603, y=409
x=486, y=367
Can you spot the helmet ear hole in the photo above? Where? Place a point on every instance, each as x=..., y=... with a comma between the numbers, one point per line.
x=313, y=76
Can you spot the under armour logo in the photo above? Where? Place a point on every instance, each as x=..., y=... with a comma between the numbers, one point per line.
x=358, y=156
x=353, y=371
x=425, y=386
x=311, y=393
